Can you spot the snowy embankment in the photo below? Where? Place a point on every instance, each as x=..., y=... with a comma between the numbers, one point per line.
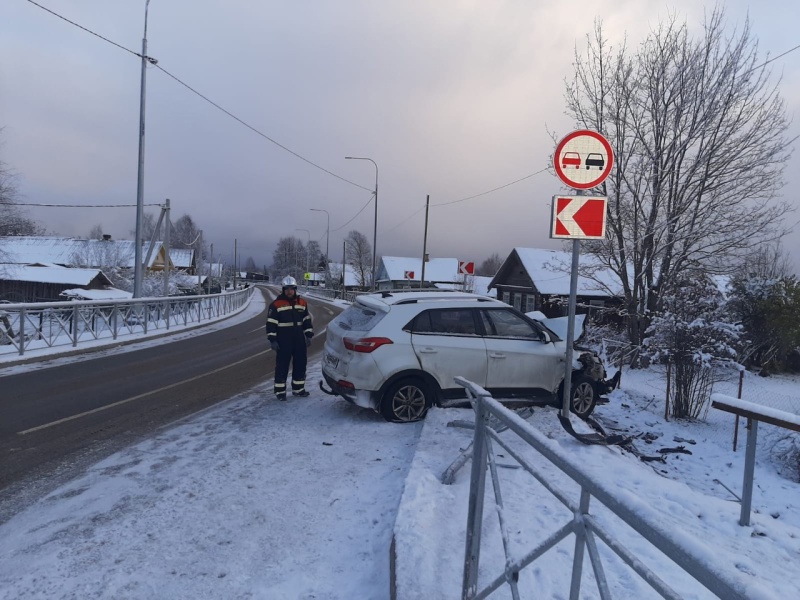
x=685, y=496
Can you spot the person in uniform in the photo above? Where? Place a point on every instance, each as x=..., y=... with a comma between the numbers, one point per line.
x=289, y=331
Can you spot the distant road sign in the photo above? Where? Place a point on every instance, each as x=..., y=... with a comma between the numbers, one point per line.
x=408, y=274
x=466, y=268
x=578, y=218
x=583, y=159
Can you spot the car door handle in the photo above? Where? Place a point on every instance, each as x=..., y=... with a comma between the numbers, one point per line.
x=496, y=355
x=428, y=351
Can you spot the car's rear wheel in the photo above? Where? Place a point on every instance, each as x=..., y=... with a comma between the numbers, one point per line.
x=406, y=401
x=583, y=398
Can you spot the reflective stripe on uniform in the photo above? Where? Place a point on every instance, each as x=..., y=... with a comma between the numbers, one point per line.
x=309, y=330
x=280, y=385
x=282, y=308
x=285, y=324
x=270, y=320
x=294, y=382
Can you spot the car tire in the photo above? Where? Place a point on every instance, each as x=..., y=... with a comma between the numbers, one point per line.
x=584, y=396
x=406, y=401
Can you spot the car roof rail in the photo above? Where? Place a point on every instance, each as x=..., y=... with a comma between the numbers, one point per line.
x=417, y=300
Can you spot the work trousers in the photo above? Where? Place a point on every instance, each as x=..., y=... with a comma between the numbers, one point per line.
x=294, y=352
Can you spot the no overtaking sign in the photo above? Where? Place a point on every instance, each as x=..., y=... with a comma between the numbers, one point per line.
x=583, y=159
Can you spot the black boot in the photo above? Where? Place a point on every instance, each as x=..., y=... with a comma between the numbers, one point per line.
x=302, y=393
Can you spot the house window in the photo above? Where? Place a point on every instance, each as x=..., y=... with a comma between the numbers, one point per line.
x=500, y=295
x=531, y=303
x=518, y=301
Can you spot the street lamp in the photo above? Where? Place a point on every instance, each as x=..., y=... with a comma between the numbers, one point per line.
x=137, y=251
x=327, y=242
x=375, y=229
x=309, y=243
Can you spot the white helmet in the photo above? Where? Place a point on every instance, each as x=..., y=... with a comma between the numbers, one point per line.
x=289, y=281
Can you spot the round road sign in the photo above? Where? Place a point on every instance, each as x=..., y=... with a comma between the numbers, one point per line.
x=583, y=159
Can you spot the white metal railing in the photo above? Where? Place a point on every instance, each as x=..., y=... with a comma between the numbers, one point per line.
x=29, y=327
x=583, y=525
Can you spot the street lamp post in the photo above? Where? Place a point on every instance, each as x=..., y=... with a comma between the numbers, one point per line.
x=309, y=243
x=375, y=228
x=137, y=256
x=327, y=243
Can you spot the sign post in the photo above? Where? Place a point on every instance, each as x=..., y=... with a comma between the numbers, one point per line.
x=582, y=160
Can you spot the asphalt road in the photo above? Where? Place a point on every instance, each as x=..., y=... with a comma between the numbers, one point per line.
x=55, y=421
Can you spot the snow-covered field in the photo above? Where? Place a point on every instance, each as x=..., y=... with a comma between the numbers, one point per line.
x=298, y=500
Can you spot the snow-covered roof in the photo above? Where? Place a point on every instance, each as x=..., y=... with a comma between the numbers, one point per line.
x=108, y=294
x=182, y=258
x=436, y=269
x=66, y=251
x=550, y=272
x=55, y=275
x=350, y=277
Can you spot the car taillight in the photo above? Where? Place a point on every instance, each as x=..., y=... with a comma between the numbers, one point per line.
x=346, y=384
x=365, y=344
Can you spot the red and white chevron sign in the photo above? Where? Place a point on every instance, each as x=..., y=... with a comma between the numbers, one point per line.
x=579, y=217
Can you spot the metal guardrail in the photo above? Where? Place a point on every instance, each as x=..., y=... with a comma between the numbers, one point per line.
x=754, y=413
x=29, y=327
x=582, y=524
x=330, y=294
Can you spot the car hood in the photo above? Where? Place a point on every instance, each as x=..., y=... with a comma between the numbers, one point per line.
x=558, y=325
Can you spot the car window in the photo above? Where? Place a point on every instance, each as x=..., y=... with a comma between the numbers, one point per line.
x=505, y=323
x=359, y=318
x=453, y=321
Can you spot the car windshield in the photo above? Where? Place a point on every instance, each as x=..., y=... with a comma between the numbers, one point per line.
x=358, y=318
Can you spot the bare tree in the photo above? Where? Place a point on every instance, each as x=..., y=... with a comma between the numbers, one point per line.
x=769, y=261
x=699, y=136
x=148, y=227
x=359, y=256
x=490, y=266
x=289, y=258
x=185, y=233
x=12, y=219
x=96, y=232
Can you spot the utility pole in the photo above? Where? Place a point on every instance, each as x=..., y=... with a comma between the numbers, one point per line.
x=344, y=264
x=166, y=247
x=425, y=241
x=199, y=265
x=137, y=250
x=235, y=268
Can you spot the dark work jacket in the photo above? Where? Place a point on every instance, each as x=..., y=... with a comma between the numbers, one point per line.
x=288, y=320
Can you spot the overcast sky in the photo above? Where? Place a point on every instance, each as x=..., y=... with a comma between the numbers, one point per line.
x=450, y=98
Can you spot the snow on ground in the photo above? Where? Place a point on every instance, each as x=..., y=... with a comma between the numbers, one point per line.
x=251, y=499
x=259, y=499
x=681, y=497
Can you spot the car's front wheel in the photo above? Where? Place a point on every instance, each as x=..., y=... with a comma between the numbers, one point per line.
x=406, y=401
x=583, y=398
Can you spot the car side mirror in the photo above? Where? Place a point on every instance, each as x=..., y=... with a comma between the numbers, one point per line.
x=545, y=337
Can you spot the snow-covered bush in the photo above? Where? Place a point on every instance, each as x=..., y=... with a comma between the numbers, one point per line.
x=769, y=311
x=694, y=335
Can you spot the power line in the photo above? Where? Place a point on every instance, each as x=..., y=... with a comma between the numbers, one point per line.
x=490, y=191
x=214, y=104
x=265, y=136
x=354, y=216
x=85, y=29
x=87, y=205
x=773, y=58
x=465, y=199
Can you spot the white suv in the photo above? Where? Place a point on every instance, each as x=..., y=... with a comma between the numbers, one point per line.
x=398, y=353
